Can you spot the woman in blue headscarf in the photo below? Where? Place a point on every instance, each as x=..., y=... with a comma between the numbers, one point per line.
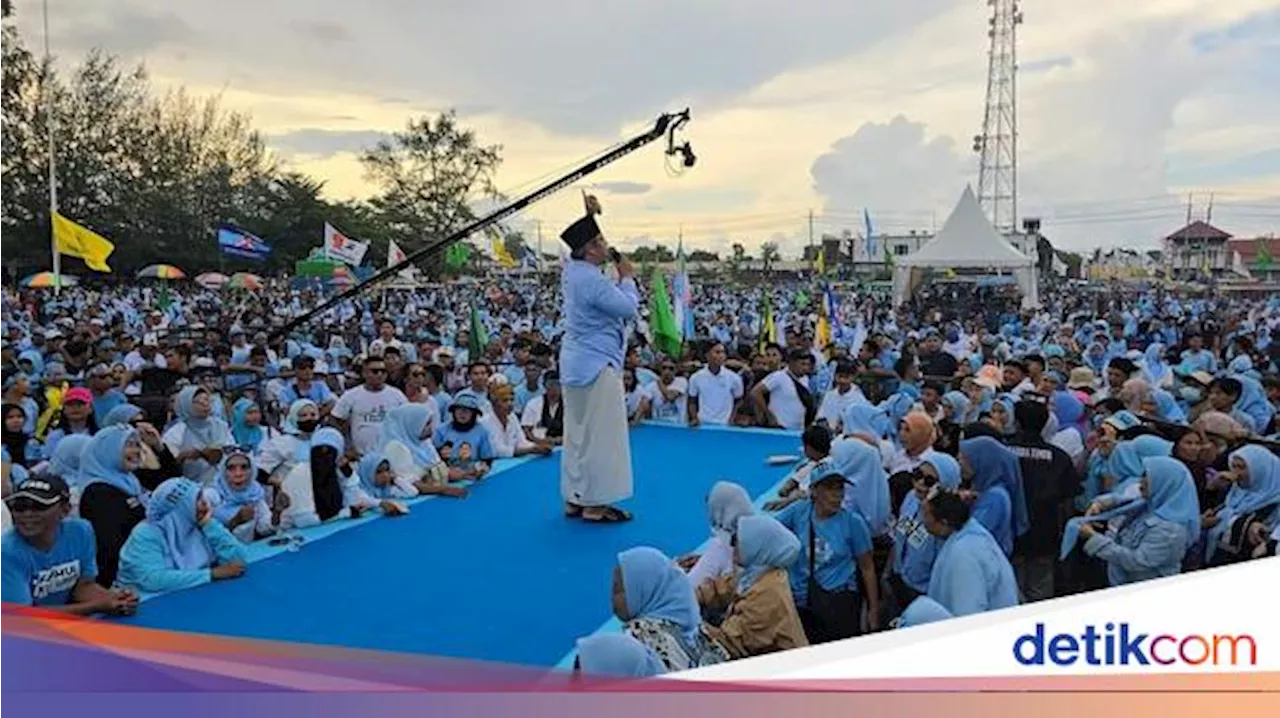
x=862, y=466
x=914, y=548
x=246, y=425
x=971, y=572
x=1254, y=497
x=616, y=655
x=1253, y=403
x=241, y=501
x=863, y=418
x=1154, y=368
x=1001, y=417
x=404, y=441
x=726, y=504
x=378, y=480
x=157, y=463
x=996, y=475
x=1124, y=468
x=759, y=613
x=198, y=437
x=180, y=545
x=658, y=606
x=1156, y=530
x=958, y=407
x=112, y=499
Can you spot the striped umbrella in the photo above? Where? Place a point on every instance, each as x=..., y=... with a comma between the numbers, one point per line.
x=245, y=280
x=161, y=271
x=42, y=280
x=212, y=280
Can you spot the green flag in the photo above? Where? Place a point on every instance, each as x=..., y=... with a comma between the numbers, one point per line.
x=455, y=258
x=163, y=300
x=802, y=299
x=1263, y=258
x=479, y=337
x=666, y=333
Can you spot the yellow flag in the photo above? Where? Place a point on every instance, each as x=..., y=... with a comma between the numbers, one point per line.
x=500, y=252
x=821, y=264
x=75, y=241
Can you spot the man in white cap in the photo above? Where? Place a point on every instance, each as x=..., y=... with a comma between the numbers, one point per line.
x=595, y=468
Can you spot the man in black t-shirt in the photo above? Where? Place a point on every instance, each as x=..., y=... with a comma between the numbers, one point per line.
x=1050, y=483
x=935, y=363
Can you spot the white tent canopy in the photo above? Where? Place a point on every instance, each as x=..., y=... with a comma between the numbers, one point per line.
x=968, y=241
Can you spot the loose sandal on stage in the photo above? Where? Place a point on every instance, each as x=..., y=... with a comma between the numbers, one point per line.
x=611, y=515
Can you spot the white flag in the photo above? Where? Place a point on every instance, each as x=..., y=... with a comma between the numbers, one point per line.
x=339, y=246
x=1059, y=266
x=395, y=255
x=1237, y=265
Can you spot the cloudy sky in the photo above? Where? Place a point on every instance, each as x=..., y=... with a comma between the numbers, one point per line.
x=827, y=106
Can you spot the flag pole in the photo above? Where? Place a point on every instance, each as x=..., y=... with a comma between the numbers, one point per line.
x=53, y=167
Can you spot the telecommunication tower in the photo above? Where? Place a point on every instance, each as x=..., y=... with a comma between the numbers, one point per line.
x=997, y=146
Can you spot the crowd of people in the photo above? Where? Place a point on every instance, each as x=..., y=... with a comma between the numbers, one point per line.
x=959, y=456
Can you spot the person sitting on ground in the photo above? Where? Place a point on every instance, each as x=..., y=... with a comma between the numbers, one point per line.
x=113, y=499
x=658, y=607
x=463, y=442
x=156, y=462
x=637, y=397
x=543, y=417
x=759, y=613
x=199, y=436
x=49, y=558
x=726, y=503
x=505, y=432
x=180, y=544
x=322, y=490
x=1254, y=498
x=415, y=464
x=617, y=655
x=239, y=501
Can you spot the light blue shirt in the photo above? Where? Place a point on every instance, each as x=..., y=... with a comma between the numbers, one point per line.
x=596, y=311
x=33, y=577
x=838, y=541
x=1144, y=548
x=318, y=392
x=145, y=565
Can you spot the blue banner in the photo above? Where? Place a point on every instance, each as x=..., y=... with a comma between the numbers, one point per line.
x=239, y=243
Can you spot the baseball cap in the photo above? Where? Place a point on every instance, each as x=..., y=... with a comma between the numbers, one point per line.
x=43, y=489
x=825, y=470
x=80, y=394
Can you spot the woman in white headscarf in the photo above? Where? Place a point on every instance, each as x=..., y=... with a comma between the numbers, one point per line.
x=279, y=454
x=325, y=487
x=726, y=503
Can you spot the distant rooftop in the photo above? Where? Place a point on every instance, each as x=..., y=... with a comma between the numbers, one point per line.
x=1198, y=230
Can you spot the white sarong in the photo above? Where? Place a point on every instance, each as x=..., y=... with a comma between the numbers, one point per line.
x=595, y=466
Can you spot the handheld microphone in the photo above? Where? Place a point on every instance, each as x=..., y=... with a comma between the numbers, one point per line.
x=614, y=255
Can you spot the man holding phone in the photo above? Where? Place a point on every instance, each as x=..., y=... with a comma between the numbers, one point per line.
x=595, y=468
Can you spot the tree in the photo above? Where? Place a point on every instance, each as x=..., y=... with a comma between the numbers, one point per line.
x=699, y=255
x=769, y=255
x=656, y=254
x=427, y=177
x=739, y=256
x=515, y=244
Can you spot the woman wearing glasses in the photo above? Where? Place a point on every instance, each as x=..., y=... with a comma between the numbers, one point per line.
x=914, y=548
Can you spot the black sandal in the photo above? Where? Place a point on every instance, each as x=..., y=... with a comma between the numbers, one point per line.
x=572, y=511
x=611, y=515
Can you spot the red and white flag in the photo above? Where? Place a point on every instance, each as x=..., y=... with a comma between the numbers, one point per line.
x=339, y=246
x=395, y=255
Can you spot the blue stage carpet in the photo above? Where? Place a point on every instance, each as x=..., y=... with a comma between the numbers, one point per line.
x=499, y=576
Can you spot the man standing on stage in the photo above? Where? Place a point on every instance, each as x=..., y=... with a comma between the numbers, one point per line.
x=595, y=468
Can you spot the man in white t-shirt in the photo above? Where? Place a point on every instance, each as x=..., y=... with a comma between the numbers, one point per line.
x=543, y=418
x=669, y=396
x=713, y=390
x=843, y=395
x=361, y=409
x=783, y=397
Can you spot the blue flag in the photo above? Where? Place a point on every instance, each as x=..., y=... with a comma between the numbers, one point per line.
x=239, y=243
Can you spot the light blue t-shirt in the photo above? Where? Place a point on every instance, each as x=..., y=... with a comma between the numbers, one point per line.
x=46, y=578
x=477, y=437
x=838, y=541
